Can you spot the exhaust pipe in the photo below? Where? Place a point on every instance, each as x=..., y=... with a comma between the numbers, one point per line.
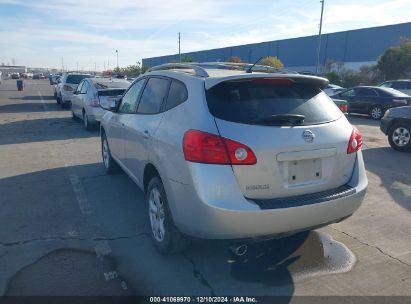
x=239, y=250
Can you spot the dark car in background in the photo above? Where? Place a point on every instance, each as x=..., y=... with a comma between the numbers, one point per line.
x=403, y=85
x=396, y=124
x=341, y=104
x=373, y=101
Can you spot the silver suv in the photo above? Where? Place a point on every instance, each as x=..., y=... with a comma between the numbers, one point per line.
x=227, y=153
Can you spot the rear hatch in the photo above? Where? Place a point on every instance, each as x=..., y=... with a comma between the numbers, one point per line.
x=297, y=133
x=105, y=96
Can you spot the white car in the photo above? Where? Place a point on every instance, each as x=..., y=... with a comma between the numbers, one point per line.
x=67, y=85
x=91, y=94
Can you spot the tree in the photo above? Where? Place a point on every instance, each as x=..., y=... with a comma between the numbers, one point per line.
x=272, y=62
x=333, y=78
x=396, y=61
x=187, y=59
x=349, y=78
x=369, y=75
x=131, y=70
x=235, y=59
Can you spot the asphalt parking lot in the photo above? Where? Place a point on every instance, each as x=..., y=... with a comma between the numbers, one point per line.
x=67, y=228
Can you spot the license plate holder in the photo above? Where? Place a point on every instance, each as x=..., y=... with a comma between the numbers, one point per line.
x=301, y=171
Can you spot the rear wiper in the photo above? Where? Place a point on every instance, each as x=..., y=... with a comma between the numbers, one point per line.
x=286, y=118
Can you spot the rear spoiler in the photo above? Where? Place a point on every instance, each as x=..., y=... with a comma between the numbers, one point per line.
x=298, y=78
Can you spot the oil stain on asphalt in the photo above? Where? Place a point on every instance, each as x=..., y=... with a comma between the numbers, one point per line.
x=282, y=261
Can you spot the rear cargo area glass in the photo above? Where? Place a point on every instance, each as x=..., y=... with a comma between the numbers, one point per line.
x=248, y=101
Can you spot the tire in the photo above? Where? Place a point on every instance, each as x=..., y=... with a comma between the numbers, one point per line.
x=73, y=116
x=376, y=112
x=86, y=122
x=109, y=163
x=399, y=137
x=164, y=233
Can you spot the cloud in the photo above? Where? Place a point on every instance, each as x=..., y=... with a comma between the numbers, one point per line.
x=90, y=31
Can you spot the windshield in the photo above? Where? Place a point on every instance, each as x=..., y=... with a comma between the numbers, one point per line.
x=251, y=101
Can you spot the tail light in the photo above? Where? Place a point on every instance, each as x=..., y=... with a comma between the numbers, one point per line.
x=344, y=108
x=355, y=142
x=95, y=102
x=207, y=148
x=67, y=88
x=400, y=101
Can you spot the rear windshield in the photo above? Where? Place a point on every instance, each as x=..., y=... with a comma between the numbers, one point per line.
x=76, y=79
x=393, y=92
x=256, y=100
x=115, y=92
x=111, y=84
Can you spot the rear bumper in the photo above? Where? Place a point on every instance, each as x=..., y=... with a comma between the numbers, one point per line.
x=95, y=114
x=222, y=212
x=66, y=97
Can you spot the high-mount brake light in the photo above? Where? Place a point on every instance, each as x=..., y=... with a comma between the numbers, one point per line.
x=273, y=81
x=207, y=148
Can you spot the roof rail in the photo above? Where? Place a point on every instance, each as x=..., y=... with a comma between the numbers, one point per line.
x=244, y=66
x=199, y=71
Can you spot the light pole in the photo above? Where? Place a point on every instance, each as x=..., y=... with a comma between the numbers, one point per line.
x=179, y=46
x=117, y=58
x=319, y=38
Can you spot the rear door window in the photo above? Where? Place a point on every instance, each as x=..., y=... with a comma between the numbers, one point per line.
x=129, y=100
x=80, y=86
x=84, y=88
x=255, y=100
x=365, y=92
x=153, y=96
x=177, y=94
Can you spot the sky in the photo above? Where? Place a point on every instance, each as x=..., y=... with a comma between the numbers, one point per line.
x=87, y=33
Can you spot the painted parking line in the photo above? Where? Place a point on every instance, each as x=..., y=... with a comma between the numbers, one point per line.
x=102, y=247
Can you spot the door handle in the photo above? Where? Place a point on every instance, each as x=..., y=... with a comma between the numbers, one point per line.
x=146, y=134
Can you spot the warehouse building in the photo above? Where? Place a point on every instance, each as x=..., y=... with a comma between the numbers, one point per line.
x=11, y=69
x=349, y=49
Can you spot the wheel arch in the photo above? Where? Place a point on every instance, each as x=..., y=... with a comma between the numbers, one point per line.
x=150, y=171
x=397, y=121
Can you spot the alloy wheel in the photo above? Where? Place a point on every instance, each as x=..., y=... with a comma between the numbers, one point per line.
x=376, y=113
x=106, y=154
x=157, y=214
x=401, y=136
